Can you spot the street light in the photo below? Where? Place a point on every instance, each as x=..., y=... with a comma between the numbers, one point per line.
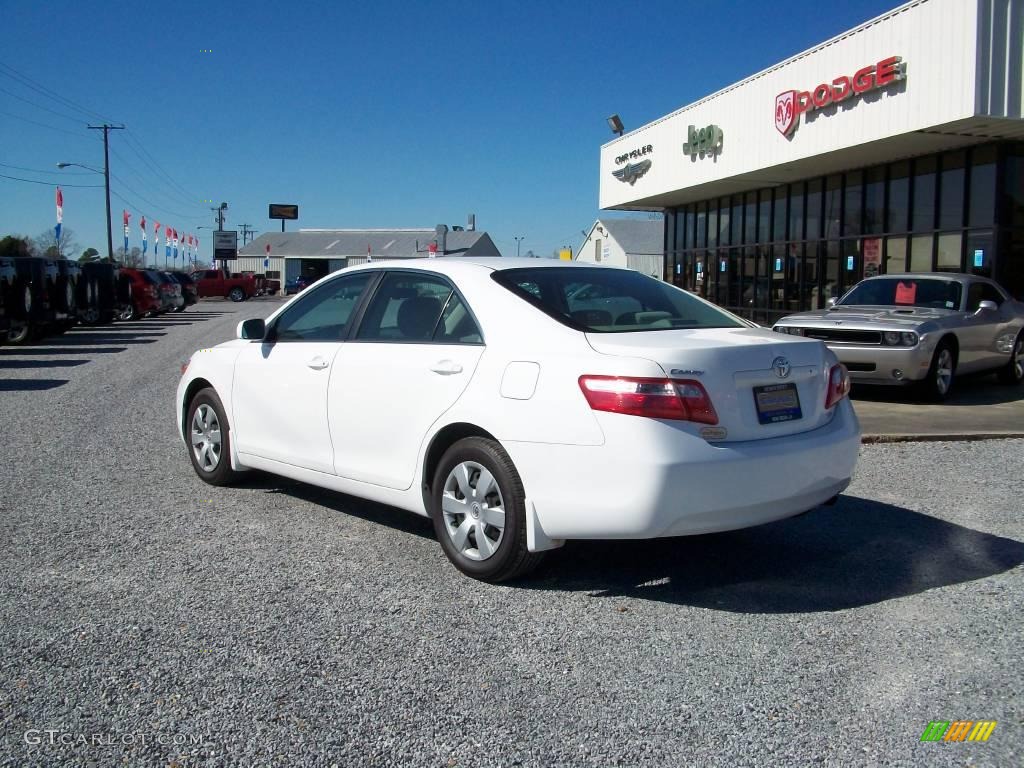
x=518, y=241
x=615, y=123
x=105, y=173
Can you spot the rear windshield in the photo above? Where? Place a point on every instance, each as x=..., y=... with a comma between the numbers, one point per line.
x=602, y=300
x=906, y=292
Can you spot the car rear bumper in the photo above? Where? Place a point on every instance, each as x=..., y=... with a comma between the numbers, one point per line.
x=665, y=482
x=884, y=365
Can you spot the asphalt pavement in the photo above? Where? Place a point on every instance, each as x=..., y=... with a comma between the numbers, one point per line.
x=147, y=619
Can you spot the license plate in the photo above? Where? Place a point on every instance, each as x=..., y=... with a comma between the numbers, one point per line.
x=776, y=403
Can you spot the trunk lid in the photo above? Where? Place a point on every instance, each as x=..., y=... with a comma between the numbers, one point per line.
x=730, y=363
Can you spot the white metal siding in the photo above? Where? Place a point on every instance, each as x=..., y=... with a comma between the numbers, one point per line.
x=937, y=40
x=1000, y=60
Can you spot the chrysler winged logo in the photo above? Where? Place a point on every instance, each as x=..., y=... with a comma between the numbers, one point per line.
x=630, y=172
x=785, y=112
x=781, y=367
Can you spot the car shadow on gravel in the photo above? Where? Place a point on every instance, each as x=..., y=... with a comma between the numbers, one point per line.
x=30, y=385
x=392, y=517
x=8, y=364
x=856, y=553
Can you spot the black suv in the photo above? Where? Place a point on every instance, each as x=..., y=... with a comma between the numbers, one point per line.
x=69, y=275
x=36, y=282
x=107, y=293
x=8, y=296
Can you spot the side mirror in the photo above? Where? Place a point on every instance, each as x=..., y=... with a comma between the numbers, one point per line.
x=253, y=330
x=988, y=306
x=831, y=303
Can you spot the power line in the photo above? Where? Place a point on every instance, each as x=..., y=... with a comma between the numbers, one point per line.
x=40, y=106
x=134, y=140
x=28, y=82
x=150, y=202
x=51, y=183
x=177, y=197
x=43, y=125
x=40, y=170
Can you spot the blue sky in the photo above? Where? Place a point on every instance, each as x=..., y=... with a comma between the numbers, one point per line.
x=374, y=114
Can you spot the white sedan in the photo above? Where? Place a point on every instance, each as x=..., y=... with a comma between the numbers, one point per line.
x=519, y=403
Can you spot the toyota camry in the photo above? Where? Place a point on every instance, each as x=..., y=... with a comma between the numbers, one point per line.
x=520, y=403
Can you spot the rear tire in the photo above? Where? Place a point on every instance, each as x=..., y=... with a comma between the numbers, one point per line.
x=236, y=294
x=479, y=512
x=1013, y=372
x=937, y=385
x=19, y=336
x=208, y=438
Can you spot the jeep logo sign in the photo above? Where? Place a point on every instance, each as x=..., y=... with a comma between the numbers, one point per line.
x=703, y=141
x=789, y=105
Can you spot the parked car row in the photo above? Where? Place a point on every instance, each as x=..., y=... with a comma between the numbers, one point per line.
x=45, y=297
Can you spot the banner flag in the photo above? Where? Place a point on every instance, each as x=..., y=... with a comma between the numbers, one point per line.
x=127, y=216
x=167, y=244
x=60, y=215
x=142, y=226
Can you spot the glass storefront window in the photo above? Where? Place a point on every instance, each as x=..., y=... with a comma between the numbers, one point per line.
x=951, y=190
x=899, y=198
x=723, y=221
x=796, y=212
x=895, y=254
x=950, y=244
x=691, y=226
x=764, y=216
x=874, y=202
x=713, y=226
x=780, y=213
x=980, y=252
x=982, y=204
x=813, y=215
x=701, y=234
x=833, y=205
x=831, y=271
x=852, y=203
x=749, y=217
x=1013, y=185
x=923, y=214
x=921, y=253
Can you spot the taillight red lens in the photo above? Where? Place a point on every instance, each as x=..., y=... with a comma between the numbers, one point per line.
x=682, y=400
x=838, y=385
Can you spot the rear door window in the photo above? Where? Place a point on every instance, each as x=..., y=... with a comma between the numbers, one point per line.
x=417, y=307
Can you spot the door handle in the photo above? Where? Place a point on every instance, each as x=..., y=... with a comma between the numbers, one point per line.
x=318, y=363
x=446, y=367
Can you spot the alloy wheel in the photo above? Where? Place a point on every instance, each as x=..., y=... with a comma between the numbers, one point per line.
x=206, y=438
x=944, y=371
x=1018, y=359
x=473, y=510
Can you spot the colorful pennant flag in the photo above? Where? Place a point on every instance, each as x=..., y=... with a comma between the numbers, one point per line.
x=142, y=226
x=60, y=215
x=127, y=216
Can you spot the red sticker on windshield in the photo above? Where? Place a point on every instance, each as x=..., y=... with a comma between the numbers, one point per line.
x=906, y=293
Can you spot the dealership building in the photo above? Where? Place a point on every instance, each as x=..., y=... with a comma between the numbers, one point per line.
x=897, y=146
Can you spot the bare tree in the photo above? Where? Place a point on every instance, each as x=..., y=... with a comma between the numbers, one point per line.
x=48, y=245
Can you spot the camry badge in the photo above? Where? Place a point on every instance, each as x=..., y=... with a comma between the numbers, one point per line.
x=685, y=372
x=781, y=367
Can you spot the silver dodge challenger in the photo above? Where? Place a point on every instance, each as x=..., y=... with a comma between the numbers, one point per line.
x=920, y=328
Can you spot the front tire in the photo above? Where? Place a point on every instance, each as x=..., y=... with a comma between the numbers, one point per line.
x=1013, y=372
x=209, y=439
x=939, y=381
x=20, y=335
x=479, y=512
x=236, y=295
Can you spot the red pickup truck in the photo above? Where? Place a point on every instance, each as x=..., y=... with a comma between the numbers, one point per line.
x=214, y=282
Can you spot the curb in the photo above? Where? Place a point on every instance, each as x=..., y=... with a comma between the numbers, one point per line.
x=941, y=438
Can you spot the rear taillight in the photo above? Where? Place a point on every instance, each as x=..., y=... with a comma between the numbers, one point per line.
x=682, y=400
x=838, y=385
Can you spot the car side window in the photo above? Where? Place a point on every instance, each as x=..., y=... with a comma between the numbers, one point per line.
x=409, y=307
x=457, y=325
x=979, y=292
x=324, y=314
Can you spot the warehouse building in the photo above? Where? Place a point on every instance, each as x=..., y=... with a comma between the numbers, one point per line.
x=896, y=146
x=314, y=253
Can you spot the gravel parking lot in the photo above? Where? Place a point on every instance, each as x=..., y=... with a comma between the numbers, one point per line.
x=148, y=619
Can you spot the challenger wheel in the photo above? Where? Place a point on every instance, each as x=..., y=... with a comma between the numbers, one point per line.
x=1013, y=371
x=479, y=512
x=939, y=381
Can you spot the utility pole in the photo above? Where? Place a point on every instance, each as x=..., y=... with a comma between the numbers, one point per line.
x=247, y=229
x=106, y=128
x=518, y=241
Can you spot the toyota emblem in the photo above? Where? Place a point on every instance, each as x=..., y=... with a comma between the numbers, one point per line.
x=781, y=367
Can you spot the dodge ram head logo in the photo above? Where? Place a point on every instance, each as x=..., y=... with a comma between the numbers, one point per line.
x=785, y=112
x=630, y=172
